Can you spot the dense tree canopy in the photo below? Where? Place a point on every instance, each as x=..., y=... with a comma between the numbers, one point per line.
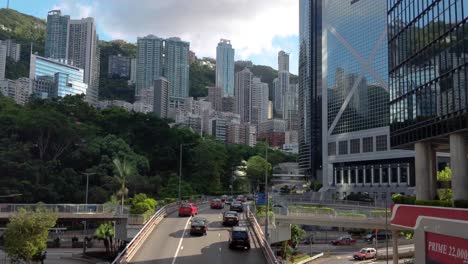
x=47, y=145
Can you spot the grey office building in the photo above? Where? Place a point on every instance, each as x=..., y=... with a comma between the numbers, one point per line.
x=176, y=69
x=161, y=97
x=119, y=66
x=149, y=64
x=56, y=41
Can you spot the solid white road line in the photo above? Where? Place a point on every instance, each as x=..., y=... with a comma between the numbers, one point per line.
x=180, y=241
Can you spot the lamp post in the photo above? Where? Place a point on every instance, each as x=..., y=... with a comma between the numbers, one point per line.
x=266, y=192
x=180, y=166
x=85, y=228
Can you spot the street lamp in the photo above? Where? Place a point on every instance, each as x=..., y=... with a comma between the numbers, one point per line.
x=266, y=191
x=180, y=166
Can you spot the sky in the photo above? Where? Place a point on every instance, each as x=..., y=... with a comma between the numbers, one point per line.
x=258, y=29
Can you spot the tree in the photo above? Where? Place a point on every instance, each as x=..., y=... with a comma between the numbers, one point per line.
x=26, y=233
x=105, y=232
x=296, y=234
x=124, y=171
x=444, y=175
x=141, y=204
x=256, y=169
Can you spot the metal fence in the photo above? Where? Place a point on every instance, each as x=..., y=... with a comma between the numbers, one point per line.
x=309, y=199
x=264, y=244
x=332, y=212
x=66, y=208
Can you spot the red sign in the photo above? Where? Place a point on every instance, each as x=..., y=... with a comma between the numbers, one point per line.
x=446, y=249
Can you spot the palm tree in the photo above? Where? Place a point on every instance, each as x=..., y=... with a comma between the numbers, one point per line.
x=124, y=170
x=105, y=232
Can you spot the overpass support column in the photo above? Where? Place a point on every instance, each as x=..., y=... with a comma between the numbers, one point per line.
x=395, y=246
x=459, y=166
x=426, y=174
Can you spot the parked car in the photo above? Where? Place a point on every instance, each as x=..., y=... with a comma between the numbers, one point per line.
x=239, y=238
x=236, y=206
x=188, y=209
x=380, y=236
x=230, y=218
x=365, y=253
x=224, y=198
x=344, y=240
x=216, y=204
x=199, y=226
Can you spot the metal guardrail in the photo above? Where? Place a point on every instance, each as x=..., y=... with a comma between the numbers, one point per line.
x=314, y=200
x=126, y=255
x=65, y=208
x=264, y=244
x=333, y=213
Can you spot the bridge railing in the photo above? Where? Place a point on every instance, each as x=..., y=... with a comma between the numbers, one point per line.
x=316, y=200
x=328, y=212
x=127, y=254
x=66, y=208
x=264, y=244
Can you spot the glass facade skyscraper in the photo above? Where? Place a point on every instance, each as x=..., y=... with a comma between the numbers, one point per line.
x=310, y=88
x=68, y=79
x=225, y=67
x=149, y=64
x=176, y=68
x=428, y=69
x=343, y=99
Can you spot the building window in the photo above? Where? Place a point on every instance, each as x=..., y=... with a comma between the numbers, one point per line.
x=353, y=176
x=345, y=176
x=331, y=148
x=343, y=147
x=368, y=144
x=381, y=143
x=403, y=175
x=338, y=176
x=368, y=175
x=385, y=175
x=360, y=176
x=394, y=175
x=355, y=146
x=377, y=175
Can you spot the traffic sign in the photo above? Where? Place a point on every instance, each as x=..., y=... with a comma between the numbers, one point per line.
x=260, y=199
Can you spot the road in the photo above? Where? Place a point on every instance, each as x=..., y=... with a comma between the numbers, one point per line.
x=171, y=243
x=345, y=254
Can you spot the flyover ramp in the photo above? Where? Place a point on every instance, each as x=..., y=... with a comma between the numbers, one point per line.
x=170, y=243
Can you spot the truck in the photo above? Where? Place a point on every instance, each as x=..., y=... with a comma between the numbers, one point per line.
x=344, y=240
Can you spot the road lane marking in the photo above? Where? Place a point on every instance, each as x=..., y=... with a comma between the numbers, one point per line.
x=180, y=241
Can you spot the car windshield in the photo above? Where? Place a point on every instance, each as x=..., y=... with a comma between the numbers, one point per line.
x=363, y=251
x=216, y=200
x=239, y=235
x=198, y=222
x=186, y=206
x=231, y=215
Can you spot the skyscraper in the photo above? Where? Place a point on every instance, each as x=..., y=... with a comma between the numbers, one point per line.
x=149, y=64
x=215, y=95
x=83, y=52
x=161, y=97
x=56, y=42
x=3, y=56
x=352, y=78
x=283, y=61
x=225, y=67
x=13, y=49
x=428, y=88
x=259, y=101
x=310, y=88
x=176, y=69
x=76, y=43
x=243, y=93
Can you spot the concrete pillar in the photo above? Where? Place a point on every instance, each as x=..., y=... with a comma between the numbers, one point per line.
x=395, y=246
x=356, y=176
x=399, y=174
x=408, y=174
x=425, y=167
x=372, y=175
x=349, y=176
x=380, y=178
x=334, y=175
x=459, y=166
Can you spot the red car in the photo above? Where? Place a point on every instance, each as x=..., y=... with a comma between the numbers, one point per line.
x=188, y=209
x=216, y=204
x=365, y=253
x=344, y=241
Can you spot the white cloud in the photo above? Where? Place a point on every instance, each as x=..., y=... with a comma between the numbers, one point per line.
x=251, y=25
